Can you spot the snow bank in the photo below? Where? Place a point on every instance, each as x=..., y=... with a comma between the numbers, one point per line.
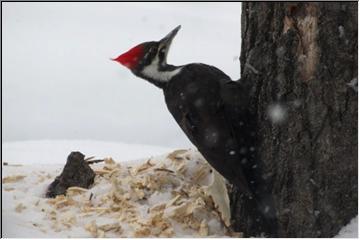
x=350, y=230
x=173, y=195
x=56, y=151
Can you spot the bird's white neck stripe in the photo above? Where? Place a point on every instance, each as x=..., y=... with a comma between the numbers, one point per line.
x=152, y=71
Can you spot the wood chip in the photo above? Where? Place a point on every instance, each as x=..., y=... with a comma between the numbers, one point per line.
x=115, y=227
x=140, y=194
x=142, y=232
x=204, y=229
x=75, y=190
x=123, y=202
x=168, y=232
x=92, y=228
x=163, y=170
x=112, y=167
x=109, y=161
x=183, y=210
x=68, y=219
x=174, y=156
x=218, y=192
x=173, y=201
x=61, y=201
x=95, y=209
x=200, y=174
x=158, y=208
x=144, y=167
x=12, y=179
x=181, y=168
x=100, y=233
x=19, y=208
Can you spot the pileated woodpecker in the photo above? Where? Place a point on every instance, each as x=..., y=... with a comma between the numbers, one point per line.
x=213, y=111
x=199, y=98
x=210, y=108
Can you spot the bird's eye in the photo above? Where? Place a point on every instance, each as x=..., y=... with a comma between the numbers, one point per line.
x=153, y=49
x=162, y=52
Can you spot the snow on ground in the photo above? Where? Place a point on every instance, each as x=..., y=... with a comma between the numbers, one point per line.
x=351, y=230
x=153, y=196
x=56, y=151
x=171, y=195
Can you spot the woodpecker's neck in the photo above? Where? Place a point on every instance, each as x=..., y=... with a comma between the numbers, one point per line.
x=159, y=74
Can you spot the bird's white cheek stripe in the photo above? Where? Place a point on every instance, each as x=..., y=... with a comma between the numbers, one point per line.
x=152, y=71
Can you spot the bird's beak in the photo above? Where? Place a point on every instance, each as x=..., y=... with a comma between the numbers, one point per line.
x=166, y=41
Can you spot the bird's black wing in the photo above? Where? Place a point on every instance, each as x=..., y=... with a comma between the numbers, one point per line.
x=235, y=102
x=203, y=114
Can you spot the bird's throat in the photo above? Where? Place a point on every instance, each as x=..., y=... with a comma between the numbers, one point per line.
x=159, y=74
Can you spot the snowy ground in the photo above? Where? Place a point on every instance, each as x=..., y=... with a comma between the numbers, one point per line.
x=152, y=196
x=56, y=151
x=351, y=230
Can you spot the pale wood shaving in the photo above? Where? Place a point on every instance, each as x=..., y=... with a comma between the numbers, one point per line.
x=115, y=227
x=204, y=229
x=181, y=168
x=112, y=167
x=12, y=179
x=68, y=219
x=174, y=156
x=76, y=190
x=109, y=161
x=143, y=167
x=173, y=201
x=61, y=201
x=92, y=228
x=200, y=174
x=19, y=208
x=142, y=232
x=180, y=211
x=218, y=192
x=164, y=170
x=99, y=230
x=158, y=208
x=168, y=232
x=131, y=187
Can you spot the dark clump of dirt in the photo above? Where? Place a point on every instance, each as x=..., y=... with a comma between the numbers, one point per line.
x=76, y=173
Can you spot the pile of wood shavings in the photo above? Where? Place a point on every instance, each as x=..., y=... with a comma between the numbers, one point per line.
x=162, y=197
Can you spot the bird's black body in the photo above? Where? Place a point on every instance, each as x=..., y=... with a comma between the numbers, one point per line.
x=201, y=99
x=210, y=108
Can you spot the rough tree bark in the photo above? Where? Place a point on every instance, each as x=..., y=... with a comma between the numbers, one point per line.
x=303, y=55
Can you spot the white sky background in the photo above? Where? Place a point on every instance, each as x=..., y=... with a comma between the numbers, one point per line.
x=58, y=81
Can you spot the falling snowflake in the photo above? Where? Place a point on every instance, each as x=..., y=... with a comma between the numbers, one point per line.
x=353, y=84
x=277, y=113
x=232, y=152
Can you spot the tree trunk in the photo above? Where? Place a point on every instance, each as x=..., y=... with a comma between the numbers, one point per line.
x=302, y=59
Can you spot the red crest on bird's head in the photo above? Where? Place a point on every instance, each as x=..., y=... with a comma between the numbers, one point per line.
x=131, y=58
x=147, y=56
